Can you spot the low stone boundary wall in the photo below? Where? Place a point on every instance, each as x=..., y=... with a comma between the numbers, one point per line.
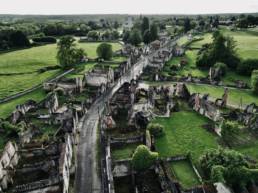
x=128, y=140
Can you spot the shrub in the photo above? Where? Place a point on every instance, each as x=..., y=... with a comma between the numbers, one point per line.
x=143, y=158
x=104, y=51
x=247, y=66
x=254, y=81
x=222, y=67
x=46, y=39
x=230, y=131
x=156, y=129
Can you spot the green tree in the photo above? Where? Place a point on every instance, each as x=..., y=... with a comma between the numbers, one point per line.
x=147, y=37
x=143, y=158
x=230, y=130
x=19, y=39
x=247, y=66
x=222, y=67
x=156, y=129
x=145, y=25
x=154, y=32
x=254, y=79
x=126, y=37
x=104, y=51
x=135, y=37
x=67, y=53
x=222, y=49
x=228, y=166
x=187, y=25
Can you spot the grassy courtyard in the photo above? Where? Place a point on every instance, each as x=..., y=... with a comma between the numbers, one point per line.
x=123, y=152
x=184, y=133
x=184, y=173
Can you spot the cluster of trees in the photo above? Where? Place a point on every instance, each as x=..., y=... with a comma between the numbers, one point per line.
x=144, y=31
x=247, y=66
x=228, y=166
x=13, y=39
x=67, y=53
x=222, y=49
x=107, y=35
x=246, y=21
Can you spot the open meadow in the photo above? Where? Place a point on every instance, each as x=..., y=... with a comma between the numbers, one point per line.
x=28, y=62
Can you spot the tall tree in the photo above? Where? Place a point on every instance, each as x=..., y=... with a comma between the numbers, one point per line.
x=145, y=25
x=67, y=53
x=135, y=37
x=187, y=25
x=154, y=31
x=147, y=37
x=104, y=51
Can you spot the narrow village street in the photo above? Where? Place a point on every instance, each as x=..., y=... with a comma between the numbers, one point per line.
x=87, y=175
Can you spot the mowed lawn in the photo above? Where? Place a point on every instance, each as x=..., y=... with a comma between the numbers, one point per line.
x=184, y=173
x=184, y=133
x=235, y=95
x=29, y=61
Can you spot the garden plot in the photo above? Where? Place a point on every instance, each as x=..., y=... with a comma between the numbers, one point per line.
x=184, y=173
x=124, y=151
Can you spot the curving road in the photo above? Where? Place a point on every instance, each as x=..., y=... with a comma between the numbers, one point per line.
x=87, y=178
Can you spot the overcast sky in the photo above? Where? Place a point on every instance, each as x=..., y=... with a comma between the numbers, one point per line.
x=127, y=6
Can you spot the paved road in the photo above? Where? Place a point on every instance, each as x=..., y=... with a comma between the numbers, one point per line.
x=87, y=178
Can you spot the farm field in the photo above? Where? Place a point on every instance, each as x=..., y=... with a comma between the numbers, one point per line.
x=235, y=95
x=184, y=173
x=190, y=68
x=7, y=108
x=246, y=41
x=184, y=133
x=29, y=61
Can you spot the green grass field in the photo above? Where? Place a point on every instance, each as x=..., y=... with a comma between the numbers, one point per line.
x=246, y=40
x=32, y=59
x=206, y=38
x=184, y=173
x=184, y=133
x=235, y=95
x=7, y=108
x=249, y=149
x=10, y=85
